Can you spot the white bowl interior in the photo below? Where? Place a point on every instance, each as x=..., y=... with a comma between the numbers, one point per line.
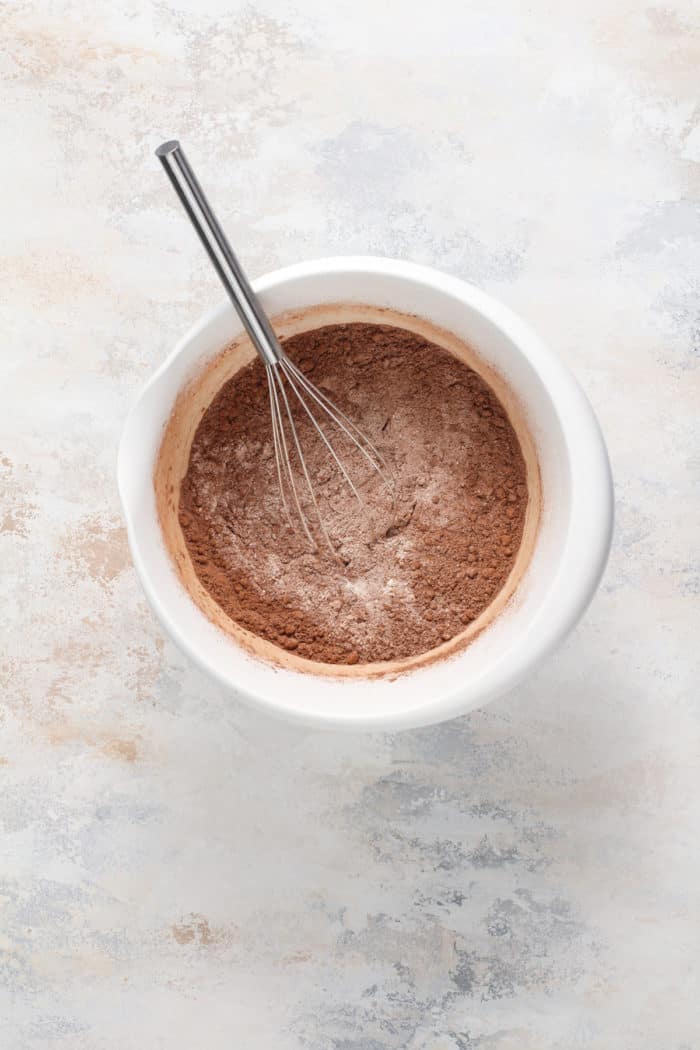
x=573, y=537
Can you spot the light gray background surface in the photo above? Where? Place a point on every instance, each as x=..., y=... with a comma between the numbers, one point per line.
x=178, y=872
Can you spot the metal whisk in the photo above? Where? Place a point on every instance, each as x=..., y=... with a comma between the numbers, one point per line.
x=282, y=374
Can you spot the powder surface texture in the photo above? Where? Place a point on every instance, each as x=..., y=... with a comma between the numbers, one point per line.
x=416, y=562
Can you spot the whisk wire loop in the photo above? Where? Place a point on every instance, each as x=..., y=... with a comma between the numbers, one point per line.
x=282, y=377
x=290, y=379
x=360, y=440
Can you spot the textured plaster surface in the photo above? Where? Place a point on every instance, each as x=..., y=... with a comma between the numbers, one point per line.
x=176, y=871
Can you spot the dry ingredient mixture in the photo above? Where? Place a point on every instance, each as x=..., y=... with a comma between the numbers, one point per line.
x=418, y=562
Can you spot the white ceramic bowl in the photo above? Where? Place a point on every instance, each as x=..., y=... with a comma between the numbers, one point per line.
x=573, y=538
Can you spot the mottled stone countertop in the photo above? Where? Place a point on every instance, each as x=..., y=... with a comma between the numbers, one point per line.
x=179, y=872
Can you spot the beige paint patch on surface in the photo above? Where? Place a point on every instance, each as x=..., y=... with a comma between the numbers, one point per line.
x=16, y=509
x=96, y=548
x=113, y=745
x=127, y=750
x=52, y=280
x=61, y=47
x=197, y=931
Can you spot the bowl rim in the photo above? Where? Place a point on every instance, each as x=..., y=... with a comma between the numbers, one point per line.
x=587, y=455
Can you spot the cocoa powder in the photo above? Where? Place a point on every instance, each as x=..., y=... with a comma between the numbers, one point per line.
x=416, y=564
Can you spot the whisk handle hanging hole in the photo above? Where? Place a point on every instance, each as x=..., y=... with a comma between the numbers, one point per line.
x=220, y=252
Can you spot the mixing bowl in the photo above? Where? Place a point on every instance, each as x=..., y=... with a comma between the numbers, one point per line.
x=570, y=547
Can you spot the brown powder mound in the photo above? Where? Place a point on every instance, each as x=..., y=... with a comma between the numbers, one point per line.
x=416, y=564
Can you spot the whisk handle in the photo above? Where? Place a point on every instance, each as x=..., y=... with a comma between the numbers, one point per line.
x=212, y=236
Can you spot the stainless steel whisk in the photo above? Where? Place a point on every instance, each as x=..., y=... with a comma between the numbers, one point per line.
x=282, y=374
